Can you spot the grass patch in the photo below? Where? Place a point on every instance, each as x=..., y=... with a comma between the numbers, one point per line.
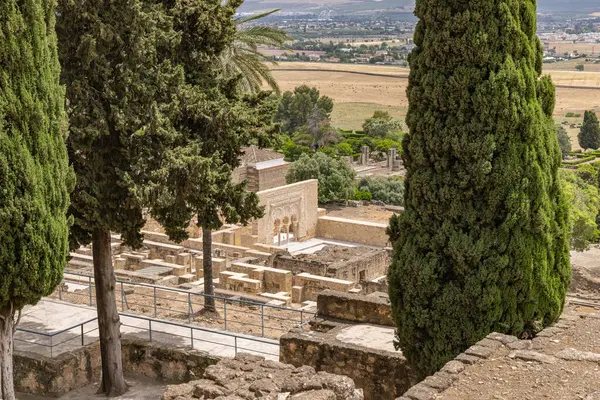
x=350, y=116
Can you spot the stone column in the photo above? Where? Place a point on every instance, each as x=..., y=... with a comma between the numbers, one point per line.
x=364, y=155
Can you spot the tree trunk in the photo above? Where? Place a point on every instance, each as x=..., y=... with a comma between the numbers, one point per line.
x=7, y=316
x=209, y=300
x=113, y=383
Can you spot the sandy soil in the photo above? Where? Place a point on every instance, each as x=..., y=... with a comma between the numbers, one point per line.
x=505, y=378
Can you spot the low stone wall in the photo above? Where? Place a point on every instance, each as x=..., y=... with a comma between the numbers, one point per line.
x=363, y=232
x=39, y=375
x=381, y=374
x=355, y=308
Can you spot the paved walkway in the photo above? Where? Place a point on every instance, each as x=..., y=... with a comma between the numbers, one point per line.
x=46, y=329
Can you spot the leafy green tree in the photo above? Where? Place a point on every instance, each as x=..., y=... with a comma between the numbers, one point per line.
x=564, y=141
x=388, y=189
x=35, y=177
x=296, y=108
x=584, y=199
x=589, y=134
x=579, y=67
x=588, y=174
x=121, y=94
x=381, y=124
x=336, y=177
x=243, y=56
x=216, y=120
x=489, y=248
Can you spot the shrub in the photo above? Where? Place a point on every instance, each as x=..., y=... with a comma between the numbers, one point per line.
x=336, y=177
x=387, y=189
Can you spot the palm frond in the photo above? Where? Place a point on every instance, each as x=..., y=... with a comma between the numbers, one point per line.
x=254, y=17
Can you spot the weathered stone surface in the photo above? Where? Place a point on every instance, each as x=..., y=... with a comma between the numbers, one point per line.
x=578, y=355
x=520, y=345
x=439, y=381
x=502, y=338
x=528, y=355
x=421, y=392
x=453, y=367
x=490, y=343
x=549, y=332
x=249, y=377
x=467, y=359
x=593, y=396
x=315, y=395
x=479, y=351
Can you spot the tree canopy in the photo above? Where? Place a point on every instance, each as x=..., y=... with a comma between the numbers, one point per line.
x=564, y=141
x=381, y=124
x=589, y=134
x=483, y=243
x=336, y=177
x=35, y=177
x=298, y=107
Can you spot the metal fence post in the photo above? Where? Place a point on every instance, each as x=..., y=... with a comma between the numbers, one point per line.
x=90, y=283
x=235, y=344
x=60, y=290
x=262, y=318
x=301, y=317
x=225, y=313
x=189, y=307
x=150, y=328
x=192, y=337
x=154, y=301
x=51, y=347
x=122, y=298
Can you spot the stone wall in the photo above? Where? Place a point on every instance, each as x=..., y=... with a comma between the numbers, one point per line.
x=297, y=202
x=39, y=375
x=355, y=308
x=340, y=262
x=272, y=177
x=381, y=374
x=348, y=230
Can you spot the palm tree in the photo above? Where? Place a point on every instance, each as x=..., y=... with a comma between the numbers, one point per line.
x=244, y=58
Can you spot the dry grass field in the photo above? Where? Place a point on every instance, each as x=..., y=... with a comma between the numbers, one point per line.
x=569, y=47
x=359, y=90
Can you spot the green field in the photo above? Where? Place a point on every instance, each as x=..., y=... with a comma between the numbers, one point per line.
x=350, y=116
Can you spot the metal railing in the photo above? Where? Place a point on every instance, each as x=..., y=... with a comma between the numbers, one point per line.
x=249, y=317
x=210, y=340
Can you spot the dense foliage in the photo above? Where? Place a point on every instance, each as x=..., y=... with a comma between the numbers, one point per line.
x=381, y=124
x=302, y=107
x=387, y=189
x=589, y=134
x=584, y=198
x=35, y=178
x=336, y=177
x=483, y=243
x=564, y=141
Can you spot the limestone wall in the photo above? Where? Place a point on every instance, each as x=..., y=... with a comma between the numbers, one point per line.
x=297, y=202
x=356, y=308
x=348, y=230
x=382, y=375
x=39, y=375
x=272, y=177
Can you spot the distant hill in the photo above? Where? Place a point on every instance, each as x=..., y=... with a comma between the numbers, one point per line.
x=374, y=6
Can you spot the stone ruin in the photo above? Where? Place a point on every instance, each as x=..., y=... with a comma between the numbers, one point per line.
x=249, y=377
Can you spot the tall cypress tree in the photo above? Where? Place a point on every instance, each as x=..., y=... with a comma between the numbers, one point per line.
x=589, y=134
x=483, y=242
x=35, y=178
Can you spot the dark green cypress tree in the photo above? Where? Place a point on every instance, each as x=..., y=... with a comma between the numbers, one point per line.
x=589, y=134
x=35, y=178
x=483, y=243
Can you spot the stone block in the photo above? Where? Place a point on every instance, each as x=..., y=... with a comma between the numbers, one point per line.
x=171, y=259
x=421, y=392
x=479, y=351
x=453, y=367
x=184, y=259
x=297, y=294
x=520, y=345
x=467, y=358
x=502, y=338
x=578, y=355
